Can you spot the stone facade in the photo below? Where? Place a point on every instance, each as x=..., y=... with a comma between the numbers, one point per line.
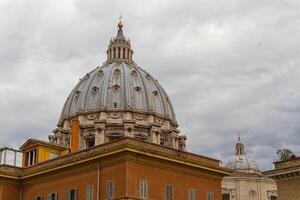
x=241, y=186
x=246, y=182
x=287, y=176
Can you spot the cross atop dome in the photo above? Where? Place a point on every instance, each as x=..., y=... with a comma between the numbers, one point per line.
x=119, y=49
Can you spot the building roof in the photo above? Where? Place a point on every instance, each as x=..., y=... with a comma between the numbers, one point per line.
x=32, y=142
x=127, y=145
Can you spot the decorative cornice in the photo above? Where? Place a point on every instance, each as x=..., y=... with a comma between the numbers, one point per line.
x=128, y=145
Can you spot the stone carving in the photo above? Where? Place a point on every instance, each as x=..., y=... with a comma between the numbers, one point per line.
x=115, y=115
x=140, y=117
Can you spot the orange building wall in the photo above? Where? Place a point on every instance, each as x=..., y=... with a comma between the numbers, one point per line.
x=158, y=177
x=61, y=183
x=9, y=192
x=117, y=173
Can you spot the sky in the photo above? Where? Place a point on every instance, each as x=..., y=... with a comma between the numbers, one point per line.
x=229, y=67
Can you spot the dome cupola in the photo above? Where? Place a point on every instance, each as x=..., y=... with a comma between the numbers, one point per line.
x=241, y=161
x=118, y=99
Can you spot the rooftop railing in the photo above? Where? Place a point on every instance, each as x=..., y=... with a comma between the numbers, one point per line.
x=10, y=156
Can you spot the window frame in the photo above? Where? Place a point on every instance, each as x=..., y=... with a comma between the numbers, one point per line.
x=90, y=196
x=169, y=191
x=49, y=197
x=192, y=194
x=143, y=189
x=210, y=196
x=108, y=191
x=69, y=194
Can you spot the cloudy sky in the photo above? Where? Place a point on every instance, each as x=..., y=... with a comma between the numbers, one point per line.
x=229, y=66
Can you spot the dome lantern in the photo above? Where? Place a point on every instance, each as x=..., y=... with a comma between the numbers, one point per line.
x=241, y=161
x=119, y=48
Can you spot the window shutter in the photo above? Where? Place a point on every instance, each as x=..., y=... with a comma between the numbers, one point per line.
x=69, y=195
x=75, y=194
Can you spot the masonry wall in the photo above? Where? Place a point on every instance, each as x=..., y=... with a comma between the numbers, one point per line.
x=289, y=188
x=78, y=177
x=9, y=190
x=158, y=176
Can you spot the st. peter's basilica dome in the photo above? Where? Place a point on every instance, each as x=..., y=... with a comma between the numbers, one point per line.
x=118, y=99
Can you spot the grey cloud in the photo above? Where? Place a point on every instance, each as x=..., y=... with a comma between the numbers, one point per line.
x=228, y=67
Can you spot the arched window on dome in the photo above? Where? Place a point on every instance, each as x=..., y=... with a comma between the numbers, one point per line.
x=114, y=53
x=119, y=52
x=124, y=52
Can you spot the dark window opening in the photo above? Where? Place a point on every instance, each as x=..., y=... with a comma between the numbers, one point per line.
x=273, y=197
x=123, y=52
x=90, y=143
x=225, y=196
x=119, y=52
x=72, y=194
x=114, y=53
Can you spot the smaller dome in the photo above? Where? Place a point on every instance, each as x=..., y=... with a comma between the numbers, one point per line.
x=241, y=161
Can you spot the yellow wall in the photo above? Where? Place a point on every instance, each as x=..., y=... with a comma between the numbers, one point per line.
x=43, y=153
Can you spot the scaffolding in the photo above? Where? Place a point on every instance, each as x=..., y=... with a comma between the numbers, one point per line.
x=10, y=156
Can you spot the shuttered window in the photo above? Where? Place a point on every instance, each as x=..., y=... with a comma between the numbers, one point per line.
x=192, y=194
x=210, y=196
x=72, y=194
x=110, y=189
x=168, y=192
x=52, y=196
x=89, y=193
x=143, y=189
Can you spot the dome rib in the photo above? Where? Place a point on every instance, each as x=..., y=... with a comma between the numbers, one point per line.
x=146, y=91
x=125, y=88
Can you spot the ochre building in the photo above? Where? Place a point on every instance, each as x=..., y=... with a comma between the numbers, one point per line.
x=287, y=176
x=117, y=138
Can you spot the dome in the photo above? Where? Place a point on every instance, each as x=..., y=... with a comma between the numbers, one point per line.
x=118, y=87
x=241, y=161
x=115, y=100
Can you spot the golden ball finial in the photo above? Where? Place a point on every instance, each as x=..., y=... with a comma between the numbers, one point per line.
x=120, y=25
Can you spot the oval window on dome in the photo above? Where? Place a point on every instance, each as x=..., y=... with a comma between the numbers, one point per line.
x=134, y=73
x=100, y=73
x=94, y=91
x=137, y=88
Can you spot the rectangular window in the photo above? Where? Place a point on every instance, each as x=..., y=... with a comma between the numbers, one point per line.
x=192, y=194
x=30, y=157
x=210, y=196
x=72, y=194
x=52, y=196
x=89, y=193
x=110, y=189
x=169, y=192
x=143, y=189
